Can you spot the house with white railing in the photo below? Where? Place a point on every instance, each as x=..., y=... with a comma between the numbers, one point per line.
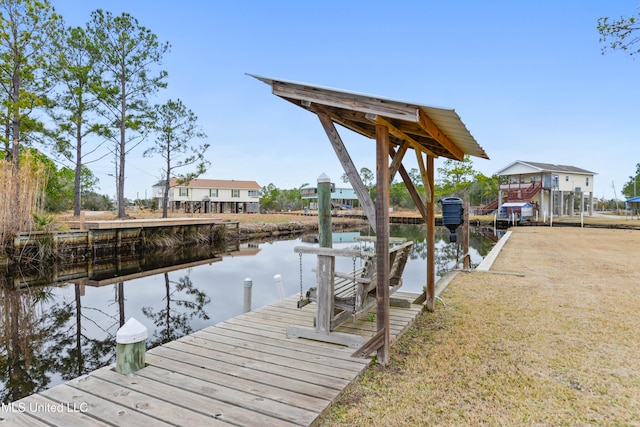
x=549, y=188
x=210, y=196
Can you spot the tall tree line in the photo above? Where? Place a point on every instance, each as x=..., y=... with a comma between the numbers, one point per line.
x=94, y=85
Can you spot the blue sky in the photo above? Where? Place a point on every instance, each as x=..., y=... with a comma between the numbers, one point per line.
x=527, y=78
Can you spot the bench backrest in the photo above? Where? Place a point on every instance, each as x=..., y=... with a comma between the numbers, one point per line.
x=398, y=257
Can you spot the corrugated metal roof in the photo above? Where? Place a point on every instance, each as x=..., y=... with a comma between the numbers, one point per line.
x=360, y=112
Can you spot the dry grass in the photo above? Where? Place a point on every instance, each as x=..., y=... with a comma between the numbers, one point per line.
x=557, y=347
x=21, y=195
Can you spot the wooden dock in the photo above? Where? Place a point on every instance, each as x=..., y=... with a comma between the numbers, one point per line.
x=242, y=372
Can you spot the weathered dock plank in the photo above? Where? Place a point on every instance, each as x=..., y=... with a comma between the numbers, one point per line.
x=96, y=406
x=288, y=348
x=204, y=393
x=19, y=417
x=43, y=410
x=292, y=359
x=161, y=407
x=198, y=404
x=257, y=385
x=243, y=371
x=248, y=330
x=319, y=378
x=199, y=365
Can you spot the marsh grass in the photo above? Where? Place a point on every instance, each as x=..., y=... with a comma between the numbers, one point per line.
x=21, y=194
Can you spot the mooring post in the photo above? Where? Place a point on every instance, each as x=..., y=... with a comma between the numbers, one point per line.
x=248, y=284
x=131, y=344
x=279, y=285
x=326, y=264
x=324, y=211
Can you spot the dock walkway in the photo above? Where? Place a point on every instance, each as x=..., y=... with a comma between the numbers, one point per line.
x=243, y=371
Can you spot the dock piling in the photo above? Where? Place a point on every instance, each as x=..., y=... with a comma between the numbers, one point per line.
x=279, y=285
x=248, y=284
x=131, y=344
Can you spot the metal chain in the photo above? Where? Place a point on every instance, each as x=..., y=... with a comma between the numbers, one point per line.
x=301, y=297
x=355, y=287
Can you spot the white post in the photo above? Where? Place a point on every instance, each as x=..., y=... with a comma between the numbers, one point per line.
x=131, y=344
x=248, y=284
x=279, y=286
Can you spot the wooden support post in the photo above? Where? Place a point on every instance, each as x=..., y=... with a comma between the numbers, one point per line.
x=466, y=261
x=324, y=212
x=382, y=240
x=326, y=264
x=325, y=279
x=431, y=240
x=131, y=344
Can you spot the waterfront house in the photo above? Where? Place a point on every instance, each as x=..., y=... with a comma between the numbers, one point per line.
x=341, y=198
x=549, y=188
x=210, y=196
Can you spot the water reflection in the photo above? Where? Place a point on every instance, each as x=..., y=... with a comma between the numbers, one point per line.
x=60, y=322
x=182, y=302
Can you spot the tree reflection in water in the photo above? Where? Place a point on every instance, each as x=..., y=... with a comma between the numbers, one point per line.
x=171, y=323
x=25, y=359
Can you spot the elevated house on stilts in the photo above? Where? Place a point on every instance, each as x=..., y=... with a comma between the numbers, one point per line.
x=550, y=189
x=397, y=128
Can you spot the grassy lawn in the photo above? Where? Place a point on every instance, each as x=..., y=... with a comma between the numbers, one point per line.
x=557, y=347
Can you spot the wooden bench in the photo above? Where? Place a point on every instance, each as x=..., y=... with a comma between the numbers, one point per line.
x=353, y=294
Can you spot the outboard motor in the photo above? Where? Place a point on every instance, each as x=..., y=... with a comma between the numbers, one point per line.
x=452, y=215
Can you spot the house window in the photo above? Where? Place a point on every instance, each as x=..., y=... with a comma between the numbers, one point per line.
x=522, y=180
x=213, y=192
x=514, y=180
x=587, y=181
x=254, y=193
x=184, y=192
x=235, y=193
x=533, y=178
x=566, y=178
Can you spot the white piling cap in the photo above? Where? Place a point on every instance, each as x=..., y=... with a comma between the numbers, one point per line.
x=324, y=178
x=131, y=332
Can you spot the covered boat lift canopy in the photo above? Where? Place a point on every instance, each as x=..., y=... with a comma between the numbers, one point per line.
x=633, y=205
x=397, y=127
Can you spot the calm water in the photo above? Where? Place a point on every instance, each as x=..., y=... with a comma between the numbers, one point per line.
x=57, y=332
